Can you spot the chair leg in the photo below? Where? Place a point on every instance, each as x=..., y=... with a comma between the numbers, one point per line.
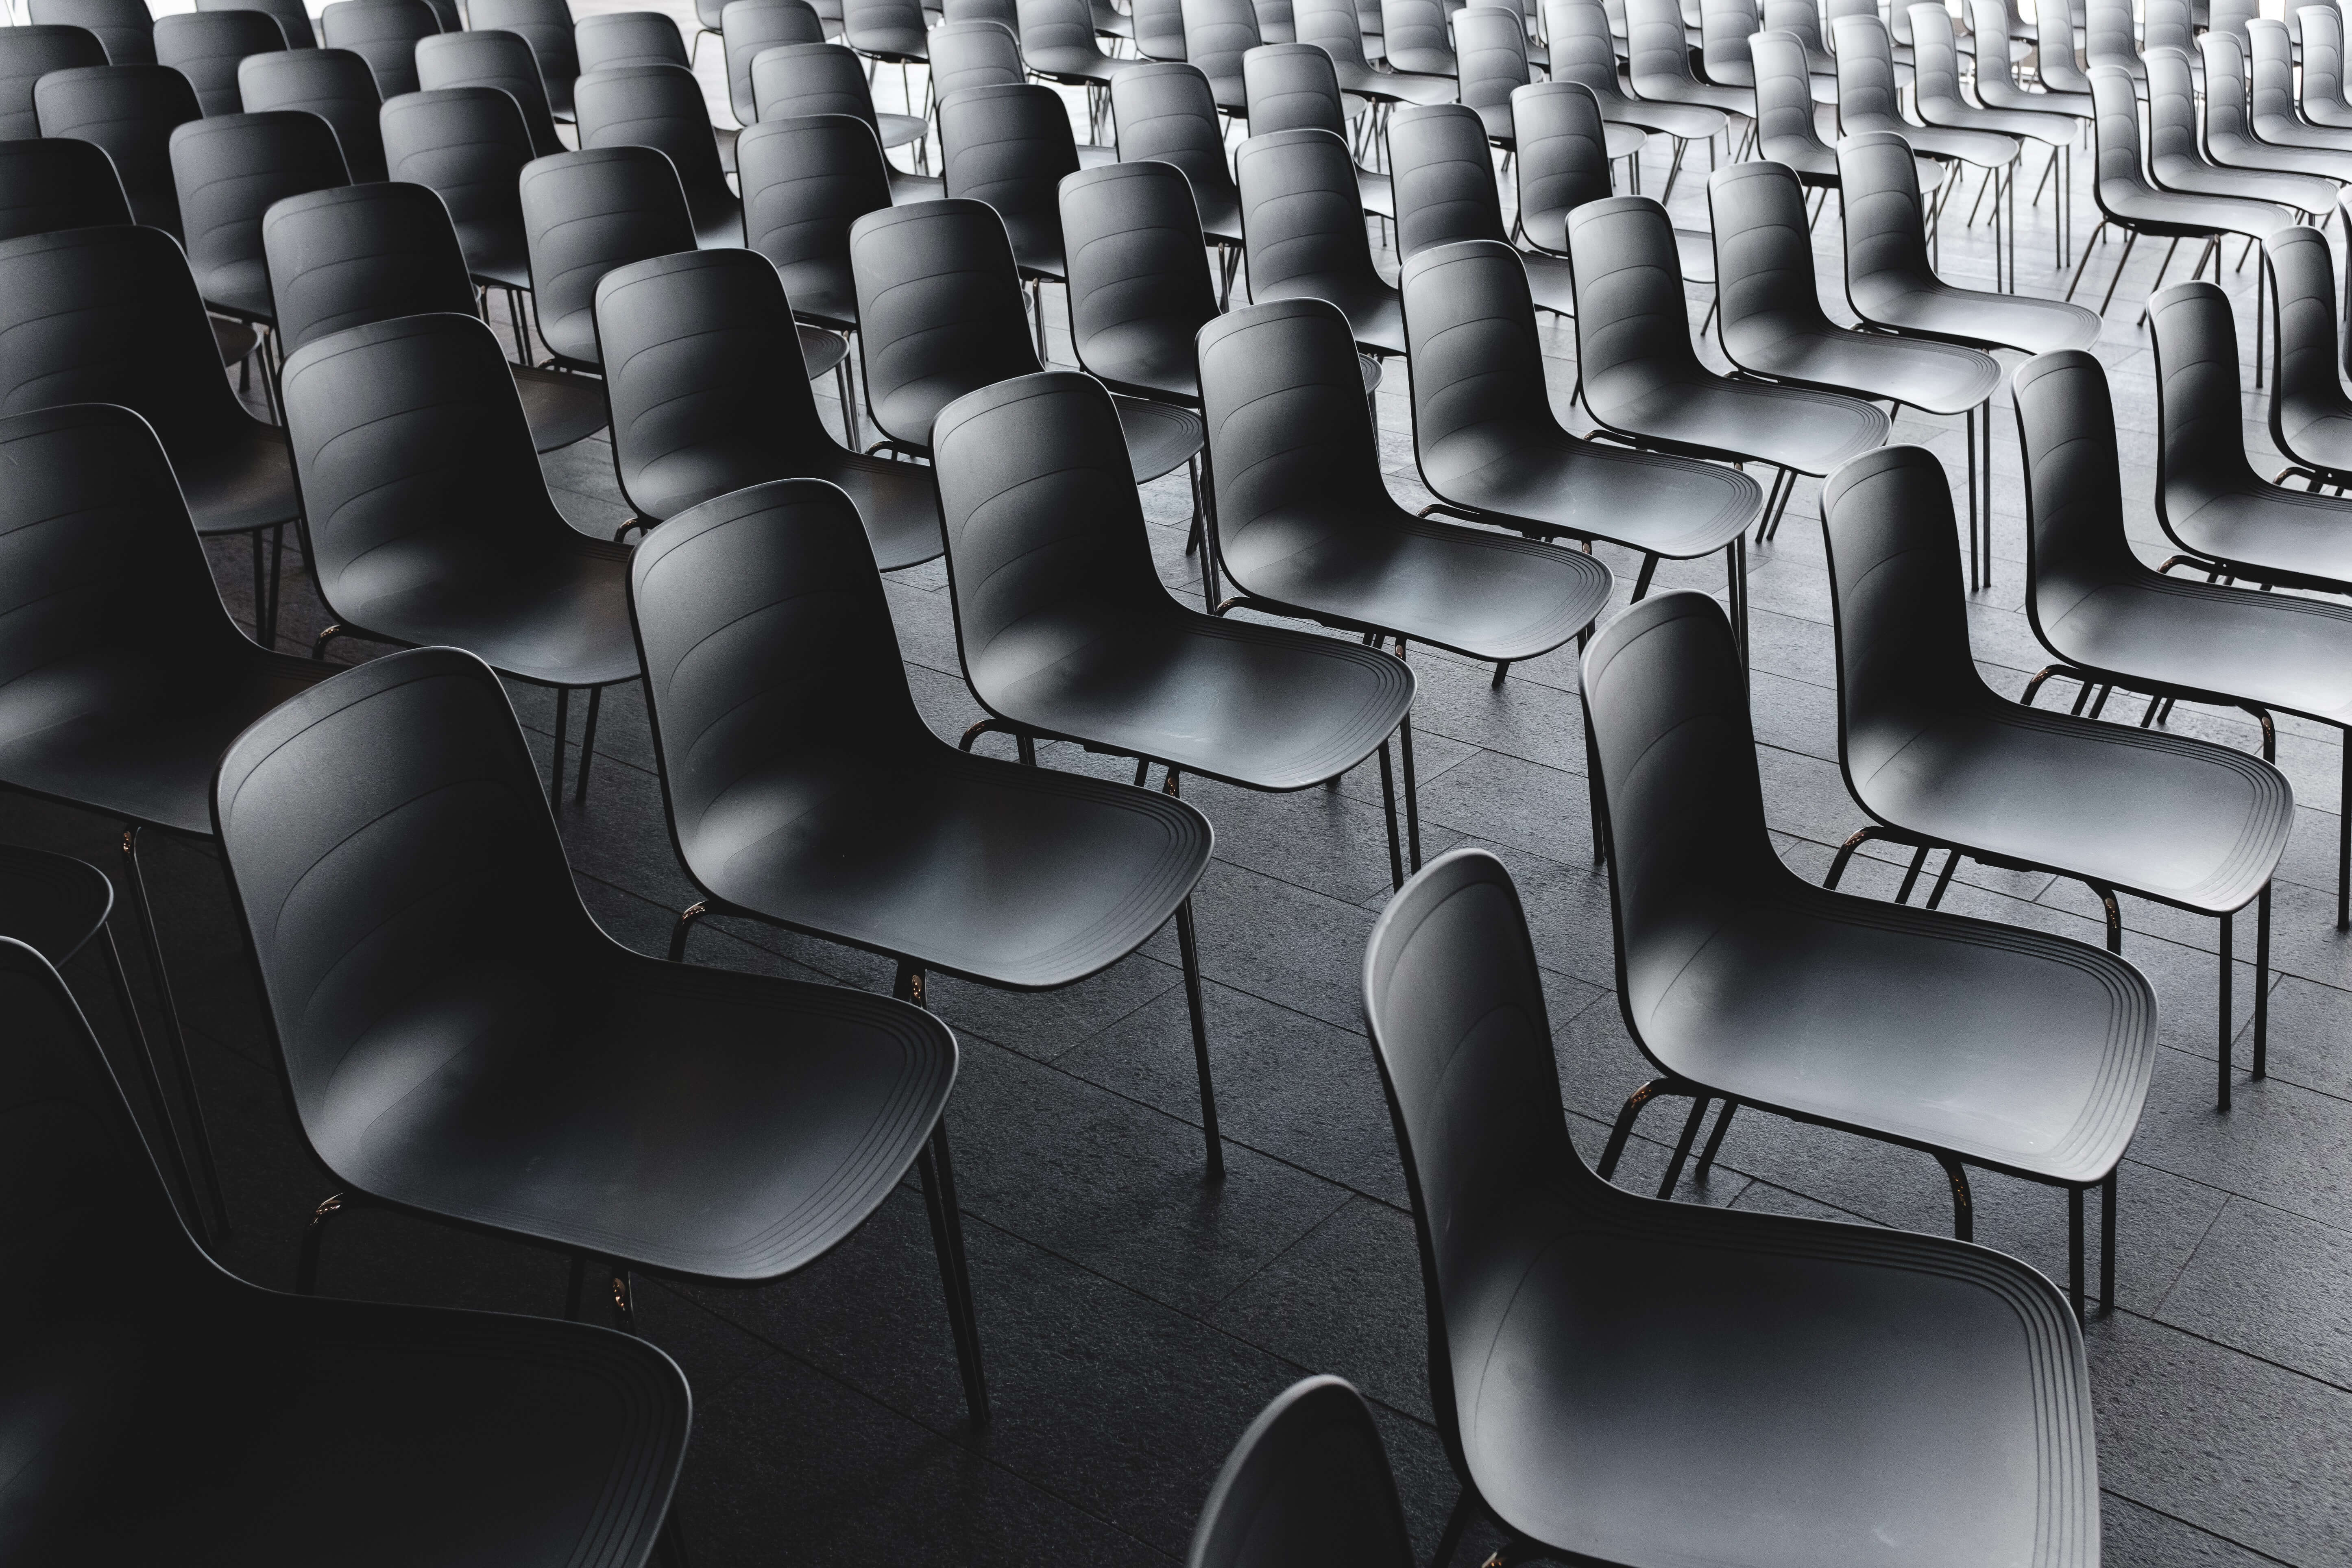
x=1634, y=1104
x=1911, y=874
x=587, y=743
x=305, y=1263
x=2074, y=1251
x=2227, y=954
x=1412, y=792
x=947, y=1239
x=2108, y=1243
x=624, y=1311
x=563, y=731
x=1715, y=1140
x=684, y=929
x=1188, y=945
x=1964, y=1206
x=2261, y=1068
x=1642, y=578
x=1388, y=800
x=1943, y=880
x=2344, y=843
x=1456, y=1522
x=1846, y=854
x=1683, y=1145
x=172, y=1147
x=2114, y=911
x=200, y=1134
x=1502, y=669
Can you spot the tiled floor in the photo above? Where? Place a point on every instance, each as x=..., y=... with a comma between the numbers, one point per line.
x=1135, y=1318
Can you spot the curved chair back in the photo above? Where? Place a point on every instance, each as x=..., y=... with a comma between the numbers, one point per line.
x=1885, y=231
x=887, y=29
x=2303, y=320
x=1786, y=131
x=1159, y=29
x=546, y=26
x=2114, y=129
x=1444, y=175
x=2270, y=53
x=292, y=16
x=1047, y=28
x=1724, y=27
x=1217, y=34
x=794, y=79
x=1632, y=328
x=1414, y=31
x=28, y=54
x=1765, y=285
x=970, y=54
x=129, y=111
x=805, y=180
x=2056, y=58
x=2075, y=538
x=2323, y=56
x=1137, y=270
x=1936, y=65
x=384, y=34
x=1309, y=1482
x=584, y=214
x=613, y=38
x=1301, y=213
x=469, y=145
x=125, y=29
x=656, y=106
x=939, y=311
x=1491, y=62
x=747, y=27
x=2109, y=37
x=2168, y=26
x=334, y=84
x=1563, y=160
x=1332, y=26
x=1004, y=12
x=1583, y=48
x=2172, y=139
x=1293, y=87
x=1166, y=113
x=1657, y=51
x=1477, y=362
x=206, y=47
x=2230, y=17
x=1010, y=147
x=2224, y=83
x=52, y=182
x=1801, y=19
x=344, y=258
x=2199, y=413
x=502, y=60
x=1276, y=23
x=228, y=169
x=1866, y=74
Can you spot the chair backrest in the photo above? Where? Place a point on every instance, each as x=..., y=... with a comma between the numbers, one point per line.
x=611, y=38
x=2303, y=317
x=656, y=106
x=889, y=25
x=2057, y=60
x=403, y=786
x=1009, y=146
x=228, y=169
x=205, y=45
x=1302, y=215
x=129, y=111
x=1309, y=1482
x=1632, y=328
x=344, y=258
x=1935, y=63
x=2109, y=37
x=124, y=28
x=334, y=84
x=1006, y=12
x=584, y=214
x=2231, y=16
x=1800, y=18
x=1724, y=27
x=1865, y=76
x=1786, y=130
x=1276, y=22
x=1416, y=28
x=1764, y=277
x=2199, y=413
x=1332, y=26
x=292, y=16
x=1291, y=87
x=2172, y=139
x=1055, y=25
x=1217, y=34
x=1990, y=59
x=794, y=79
x=805, y=180
x=2225, y=89
x=384, y=34
x=2074, y=540
x=747, y=27
x=1138, y=264
x=1166, y=113
x=1885, y=231
x=546, y=26
x=1563, y=160
x=1656, y=51
x=1159, y=29
x=2270, y=53
x=1583, y=50
x=2323, y=54
x=501, y=60
x=1478, y=361
x=939, y=311
x=969, y=54
x=2167, y=26
x=28, y=54
x=1490, y=44
x=52, y=182
x=1443, y=174
x=469, y=145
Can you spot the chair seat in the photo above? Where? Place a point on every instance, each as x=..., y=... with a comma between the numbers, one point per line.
x=1155, y=358
x=2012, y=1048
x=1940, y=378
x=2263, y=157
x=718, y=220
x=1073, y=66
x=1377, y=191
x=1552, y=283
x=1978, y=149
x=893, y=44
x=240, y=483
x=2318, y=437
x=1836, y=1391
x=2051, y=130
x=496, y=253
x=2320, y=111
x=2269, y=528
x=1388, y=87
x=1696, y=94
x=562, y=408
x=1788, y=426
x=2275, y=131
x=898, y=503
x=1037, y=247
x=2195, y=826
x=1976, y=316
x=1231, y=94
x=2167, y=212
x=1814, y=164
x=1221, y=216
x=560, y=618
x=1091, y=156
x=820, y=350
x=1014, y=875
x=52, y=904
x=905, y=187
x=1495, y=120
x=1644, y=500
x=1686, y=122
x=1262, y=706
x=2305, y=192
x=1159, y=439
x=239, y=288
x=2292, y=655
x=1486, y=595
x=900, y=130
x=822, y=291
x=235, y=340
x=2003, y=96
x=1423, y=62
x=1374, y=314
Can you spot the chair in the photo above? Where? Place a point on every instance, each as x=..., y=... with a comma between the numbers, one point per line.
x=546, y=26
x=2057, y=61
x=939, y=311
x=1937, y=760
x=334, y=84
x=1491, y=45
x=1996, y=73
x=1217, y=34
x=1563, y=162
x=805, y=180
x=1047, y=549
x=1936, y=97
x=1724, y=27
x=1293, y=87
x=2111, y=38
x=2322, y=98
x=129, y=111
x=782, y=1114
x=790, y=80
x=1004, y=12
x=609, y=39
x=1583, y=51
x=662, y=107
x=2271, y=105
x=1139, y=293
x=1057, y=41
x=2231, y=139
x=48, y=183
x=1277, y=23
x=411, y=447
x=1786, y=131
x=1445, y=186
x=1491, y=452
x=501, y=60
x=2170, y=638
x=1643, y=380
x=2170, y=25
x=584, y=214
x=2176, y=162
x=1308, y=1481
x=1773, y=327
x=871, y=835
x=444, y=1428
x=1416, y=38
x=692, y=342
x=974, y=54
x=1158, y=28
x=1801, y=19
x=1336, y=28
x=2311, y=418
x=1167, y=113
x=1657, y=63
x=292, y=16
x=469, y=145
x=228, y=169
x=759, y=25
x=28, y=54
x=1009, y=147
x=384, y=33
x=1303, y=227
x=1805, y=1349
x=125, y=29
x=346, y=257
x=887, y=32
x=206, y=47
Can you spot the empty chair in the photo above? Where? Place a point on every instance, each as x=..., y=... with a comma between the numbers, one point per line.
x=346, y=257
x=1010, y=146
x=1414, y=37
x=584, y=214
x=1304, y=228
x=469, y=145
x=1167, y=113
x=501, y=60
x=611, y=38
x=1057, y=41
x=1786, y=131
x=2320, y=93
x=794, y=79
x=228, y=169
x=889, y=32
x=1139, y=293
x=334, y=84
x=781, y=1113
x=1996, y=73
x=1445, y=187
x=662, y=107
x=2170, y=25
x=1335, y=28
x=206, y=47
x=2311, y=417
x=805, y=180
x=1936, y=97
x=1563, y=162
x=1217, y=34
x=1158, y=28
x=1801, y=19
x=1724, y=27
x=292, y=16
x=53, y=183
x=1310, y=1479
x=130, y=110
x=974, y=54
x=1294, y=85
x=2271, y=102
x=2110, y=38
x=547, y=26
x=760, y=25
x=1584, y=51
x=124, y=28
x=1657, y=62
x=384, y=33
x=2176, y=156
x=1805, y=1351
x=2057, y=57
x=2231, y=139
x=1006, y=12
x=28, y=54
x=692, y=343
x=1492, y=45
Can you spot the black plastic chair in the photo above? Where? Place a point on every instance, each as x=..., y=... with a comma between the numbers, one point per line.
x=1057, y=41
x=974, y=54
x=292, y=16
x=28, y=54
x=563, y=1067
x=2176, y=162
x=547, y=26
x=427, y=522
x=692, y=342
x=469, y=145
x=1874, y=1385
x=584, y=214
x=228, y=169
x=1415, y=40
x=344, y=258
x=1308, y=1483
x=2057, y=58
x=334, y=84
x=1294, y=85
x=502, y=60
x=1584, y=51
x=805, y=180
x=2311, y=417
x=1305, y=525
x=129, y=110
x=1139, y=292
x=1491, y=54
x=1446, y=183
x=1336, y=28
x=1167, y=113
x=1004, y=12
x=662, y=107
x=125, y=29
x=206, y=47
x=1658, y=61
x=1217, y=34
x=1047, y=550
x=608, y=39
x=48, y=183
x=384, y=33
x=938, y=307
x=128, y=675
x=1009, y=147
x=443, y=1429
x=792, y=80
x=1643, y=380
x=1937, y=760
x=1725, y=27
x=2321, y=87
x=1938, y=99
x=748, y=26
x=2271, y=106
x=2110, y=621
x=1303, y=227
x=1563, y=162
x=869, y=830
x=1773, y=327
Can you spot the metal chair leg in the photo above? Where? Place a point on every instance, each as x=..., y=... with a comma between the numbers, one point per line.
x=305, y=1263
x=587, y=743
x=200, y=1134
x=1683, y=1145
x=1188, y=945
x=1456, y=1524
x=563, y=731
x=1964, y=1206
x=1388, y=800
x=1623, y=1128
x=936, y=1167
x=173, y=1148
x=1715, y=1140
x=2108, y=1243
x=2227, y=954
x=2261, y=1068
x=2074, y=1251
x=684, y=929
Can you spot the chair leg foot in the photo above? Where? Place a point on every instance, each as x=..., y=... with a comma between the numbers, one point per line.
x=314, y=1235
x=1964, y=1207
x=684, y=929
x=1188, y=944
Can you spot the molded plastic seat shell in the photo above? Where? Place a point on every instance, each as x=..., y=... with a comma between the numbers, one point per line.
x=469, y=145
x=547, y=26
x=1445, y=187
x=1309, y=1482
x=805, y=180
x=384, y=33
x=584, y=214
x=1303, y=222
x=662, y=107
x=1166, y=113
x=53, y=183
x=292, y=16
x=206, y=47
x=28, y=54
x=130, y=110
x=125, y=29
x=334, y=84
x=2311, y=417
x=229, y=168
x=497, y=59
